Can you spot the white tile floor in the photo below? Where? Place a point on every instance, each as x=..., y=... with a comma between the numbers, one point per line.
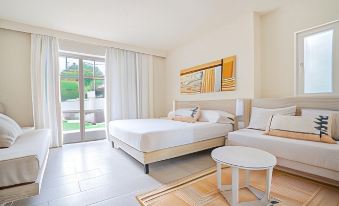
x=93, y=173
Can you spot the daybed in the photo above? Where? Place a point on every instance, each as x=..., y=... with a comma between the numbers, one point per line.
x=152, y=140
x=315, y=160
x=22, y=165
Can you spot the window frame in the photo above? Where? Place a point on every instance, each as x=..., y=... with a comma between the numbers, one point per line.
x=299, y=58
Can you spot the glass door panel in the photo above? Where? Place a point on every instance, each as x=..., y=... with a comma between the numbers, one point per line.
x=70, y=99
x=94, y=84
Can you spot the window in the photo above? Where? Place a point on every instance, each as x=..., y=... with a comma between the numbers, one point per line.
x=316, y=67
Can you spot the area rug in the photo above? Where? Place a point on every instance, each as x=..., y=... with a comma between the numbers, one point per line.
x=201, y=189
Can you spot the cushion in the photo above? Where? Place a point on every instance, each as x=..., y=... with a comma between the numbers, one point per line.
x=260, y=116
x=9, y=131
x=171, y=115
x=187, y=114
x=216, y=116
x=316, y=129
x=318, y=112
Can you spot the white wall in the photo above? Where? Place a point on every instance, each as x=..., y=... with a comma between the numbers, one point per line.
x=15, y=85
x=231, y=39
x=69, y=45
x=278, y=28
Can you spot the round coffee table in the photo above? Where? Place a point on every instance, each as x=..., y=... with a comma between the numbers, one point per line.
x=238, y=157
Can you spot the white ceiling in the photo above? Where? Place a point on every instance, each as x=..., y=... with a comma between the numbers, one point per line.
x=153, y=24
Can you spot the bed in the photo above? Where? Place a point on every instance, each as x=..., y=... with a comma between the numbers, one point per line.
x=152, y=140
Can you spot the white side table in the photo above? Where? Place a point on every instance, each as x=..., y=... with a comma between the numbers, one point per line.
x=238, y=157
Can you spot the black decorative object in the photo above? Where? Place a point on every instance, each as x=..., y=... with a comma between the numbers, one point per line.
x=194, y=111
x=322, y=122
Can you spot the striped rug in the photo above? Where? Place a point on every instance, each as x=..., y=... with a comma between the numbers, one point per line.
x=201, y=189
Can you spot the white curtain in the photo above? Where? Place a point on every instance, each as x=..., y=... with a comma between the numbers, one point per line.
x=45, y=86
x=129, y=87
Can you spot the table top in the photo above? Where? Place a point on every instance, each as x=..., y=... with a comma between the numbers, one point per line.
x=244, y=157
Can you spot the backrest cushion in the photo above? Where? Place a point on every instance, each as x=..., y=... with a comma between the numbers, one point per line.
x=318, y=112
x=187, y=114
x=9, y=131
x=300, y=127
x=260, y=116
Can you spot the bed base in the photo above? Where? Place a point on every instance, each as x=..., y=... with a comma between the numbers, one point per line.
x=146, y=158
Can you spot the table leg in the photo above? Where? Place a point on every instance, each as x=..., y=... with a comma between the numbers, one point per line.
x=266, y=197
x=235, y=186
x=247, y=178
x=219, y=175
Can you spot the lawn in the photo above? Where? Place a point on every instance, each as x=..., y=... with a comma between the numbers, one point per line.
x=71, y=125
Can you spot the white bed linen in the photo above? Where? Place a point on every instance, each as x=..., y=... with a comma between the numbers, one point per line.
x=148, y=135
x=21, y=162
x=307, y=152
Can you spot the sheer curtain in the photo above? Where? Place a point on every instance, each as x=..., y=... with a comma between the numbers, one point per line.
x=129, y=87
x=45, y=86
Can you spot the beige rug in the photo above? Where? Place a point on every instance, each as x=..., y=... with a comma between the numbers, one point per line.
x=201, y=189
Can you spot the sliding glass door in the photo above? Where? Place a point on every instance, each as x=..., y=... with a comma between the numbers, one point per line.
x=82, y=88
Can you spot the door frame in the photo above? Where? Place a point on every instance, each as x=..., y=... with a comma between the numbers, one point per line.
x=81, y=58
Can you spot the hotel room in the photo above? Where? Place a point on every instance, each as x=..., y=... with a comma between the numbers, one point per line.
x=192, y=102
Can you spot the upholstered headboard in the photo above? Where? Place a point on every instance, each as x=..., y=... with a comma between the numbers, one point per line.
x=227, y=105
x=321, y=102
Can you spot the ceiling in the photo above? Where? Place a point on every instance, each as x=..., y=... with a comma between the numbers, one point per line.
x=154, y=24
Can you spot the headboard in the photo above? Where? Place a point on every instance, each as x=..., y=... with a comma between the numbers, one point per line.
x=320, y=102
x=227, y=105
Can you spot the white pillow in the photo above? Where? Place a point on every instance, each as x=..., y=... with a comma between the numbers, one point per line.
x=301, y=127
x=171, y=115
x=216, y=116
x=260, y=116
x=9, y=131
x=318, y=112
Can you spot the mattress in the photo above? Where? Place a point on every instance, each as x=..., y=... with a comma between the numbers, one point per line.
x=316, y=154
x=20, y=163
x=147, y=135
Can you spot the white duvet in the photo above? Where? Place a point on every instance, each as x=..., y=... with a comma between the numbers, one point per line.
x=148, y=135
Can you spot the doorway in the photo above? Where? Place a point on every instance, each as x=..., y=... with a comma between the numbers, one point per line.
x=82, y=93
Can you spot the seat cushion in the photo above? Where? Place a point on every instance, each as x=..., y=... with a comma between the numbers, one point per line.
x=20, y=163
x=312, y=153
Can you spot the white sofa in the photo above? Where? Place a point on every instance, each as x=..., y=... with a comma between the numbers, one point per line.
x=315, y=160
x=22, y=165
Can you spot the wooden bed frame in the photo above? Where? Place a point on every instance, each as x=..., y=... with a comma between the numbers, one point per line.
x=146, y=158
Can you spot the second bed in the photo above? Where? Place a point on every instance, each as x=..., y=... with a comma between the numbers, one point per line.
x=152, y=140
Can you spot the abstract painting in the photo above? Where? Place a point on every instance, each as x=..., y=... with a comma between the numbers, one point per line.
x=215, y=76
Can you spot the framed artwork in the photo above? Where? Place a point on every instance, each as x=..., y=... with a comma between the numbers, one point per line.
x=215, y=76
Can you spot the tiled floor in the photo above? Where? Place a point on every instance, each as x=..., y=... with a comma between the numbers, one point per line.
x=94, y=173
